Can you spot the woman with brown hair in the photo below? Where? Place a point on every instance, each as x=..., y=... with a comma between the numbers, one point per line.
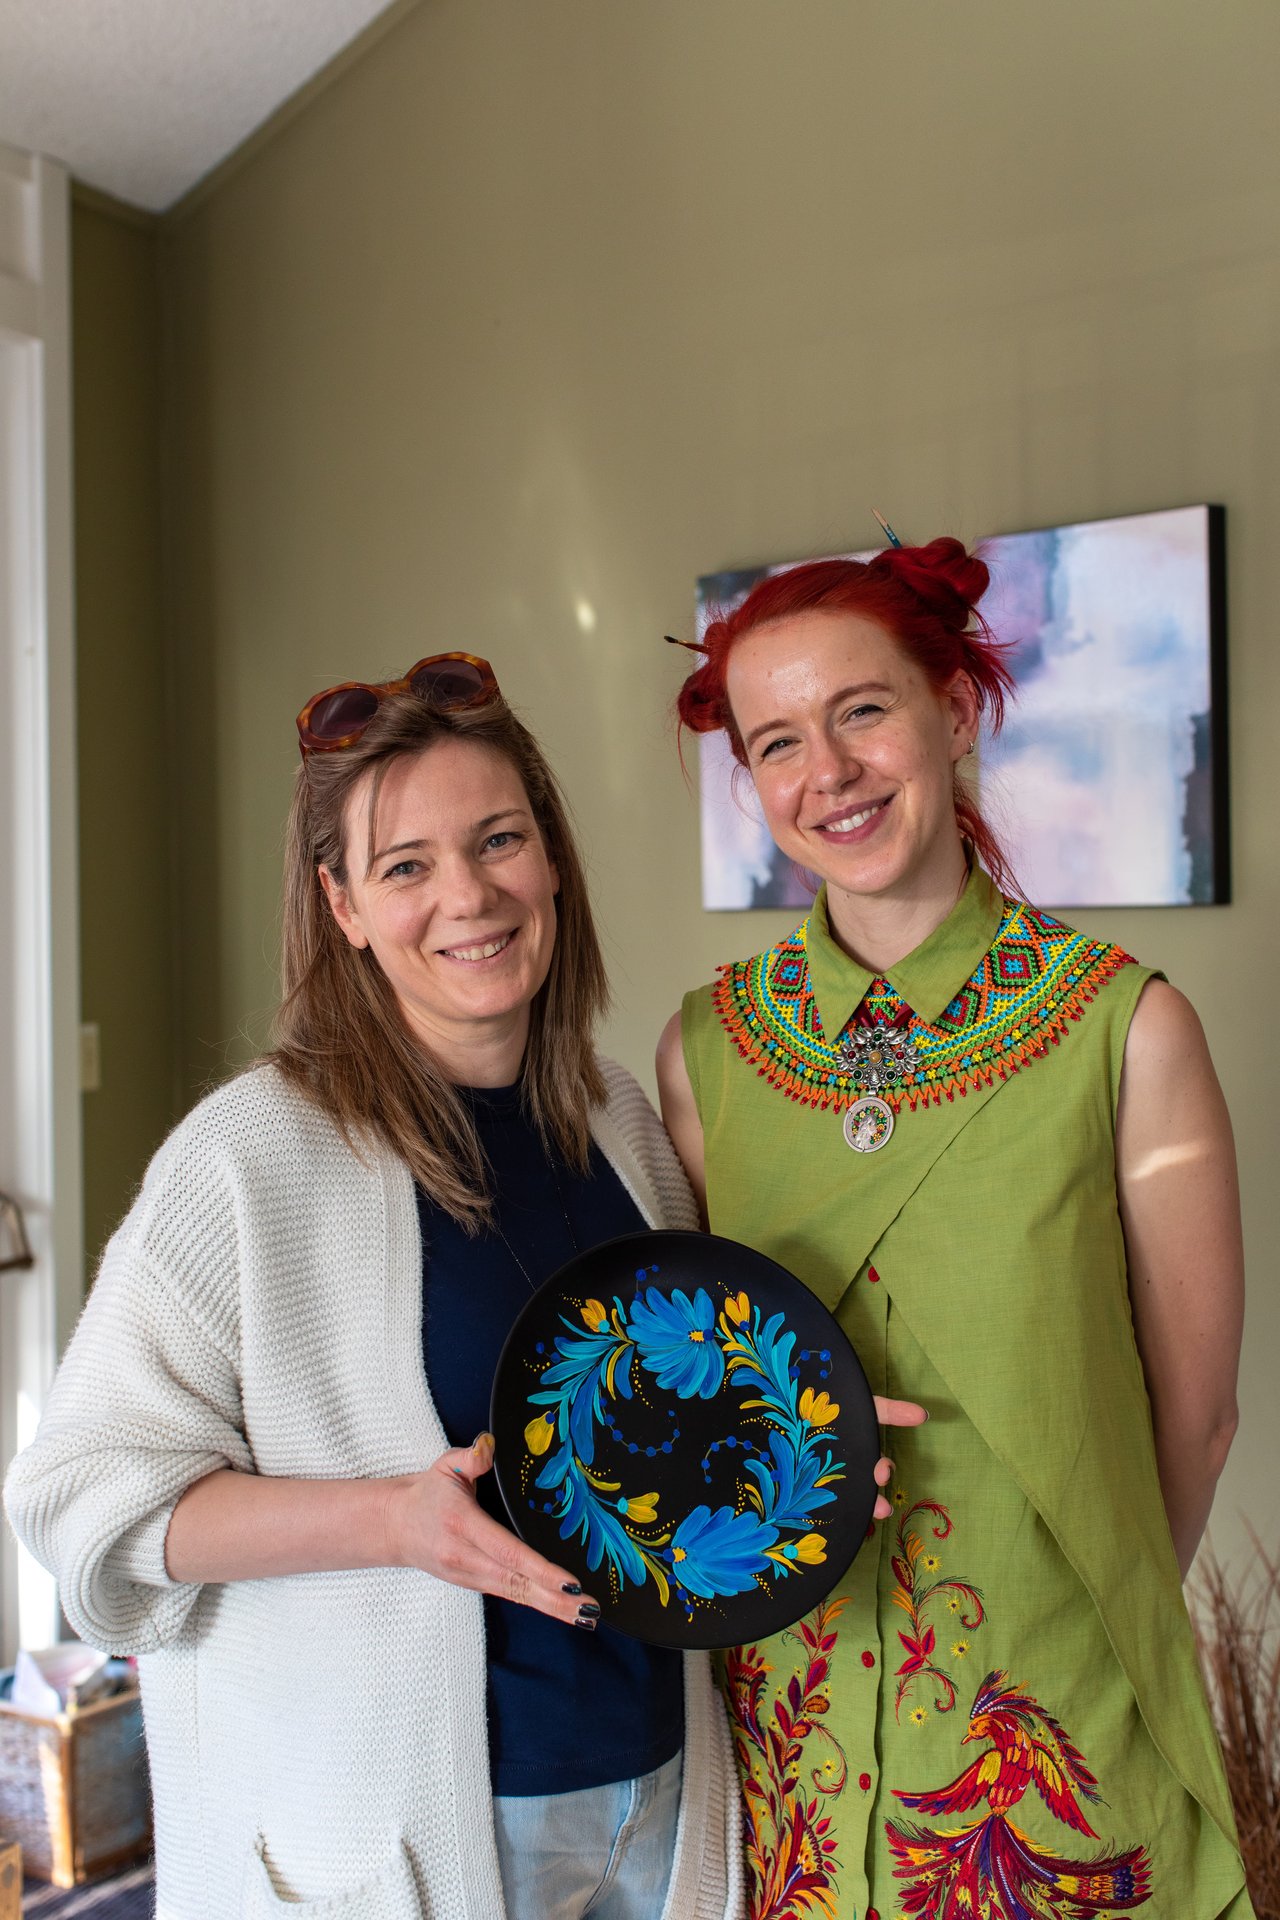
x=263, y=1468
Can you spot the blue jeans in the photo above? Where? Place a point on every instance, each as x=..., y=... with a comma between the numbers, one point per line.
x=605, y=1852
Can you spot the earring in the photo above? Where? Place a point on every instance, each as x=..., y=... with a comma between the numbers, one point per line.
x=972, y=744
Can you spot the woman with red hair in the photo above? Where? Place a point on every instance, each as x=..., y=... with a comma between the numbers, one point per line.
x=997, y=1150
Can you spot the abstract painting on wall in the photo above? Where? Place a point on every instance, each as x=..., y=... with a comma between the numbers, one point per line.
x=1108, y=784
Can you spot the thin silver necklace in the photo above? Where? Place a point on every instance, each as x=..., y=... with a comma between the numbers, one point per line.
x=573, y=1238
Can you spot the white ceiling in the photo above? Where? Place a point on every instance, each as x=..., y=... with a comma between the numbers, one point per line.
x=144, y=97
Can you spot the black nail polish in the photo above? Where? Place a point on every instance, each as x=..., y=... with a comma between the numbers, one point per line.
x=588, y=1611
x=588, y=1626
x=571, y=1587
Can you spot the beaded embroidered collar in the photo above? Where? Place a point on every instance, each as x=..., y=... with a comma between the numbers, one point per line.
x=1036, y=977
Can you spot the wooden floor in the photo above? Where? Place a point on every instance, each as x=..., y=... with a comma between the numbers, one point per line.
x=127, y=1896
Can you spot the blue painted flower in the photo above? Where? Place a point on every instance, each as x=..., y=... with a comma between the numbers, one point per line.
x=593, y=1360
x=676, y=1340
x=789, y=1484
x=588, y=1518
x=720, y=1552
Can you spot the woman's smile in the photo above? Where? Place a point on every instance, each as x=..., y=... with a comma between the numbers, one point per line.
x=482, y=949
x=850, y=822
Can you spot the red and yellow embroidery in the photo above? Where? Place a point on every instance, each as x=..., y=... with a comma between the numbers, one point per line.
x=991, y=1867
x=918, y=1587
x=1035, y=979
x=791, y=1854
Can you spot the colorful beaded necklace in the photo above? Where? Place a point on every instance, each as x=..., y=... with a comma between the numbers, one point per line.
x=1034, y=980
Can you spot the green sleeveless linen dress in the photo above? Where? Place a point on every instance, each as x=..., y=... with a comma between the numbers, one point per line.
x=998, y=1712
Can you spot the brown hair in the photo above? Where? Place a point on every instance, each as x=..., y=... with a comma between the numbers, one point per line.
x=340, y=1035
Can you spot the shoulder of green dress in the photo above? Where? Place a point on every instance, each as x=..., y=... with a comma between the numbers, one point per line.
x=768, y=1001
x=1035, y=983
x=1037, y=976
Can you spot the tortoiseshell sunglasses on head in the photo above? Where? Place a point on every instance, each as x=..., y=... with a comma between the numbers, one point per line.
x=338, y=716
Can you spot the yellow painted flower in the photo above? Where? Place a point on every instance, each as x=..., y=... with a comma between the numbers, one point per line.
x=678, y=1554
x=811, y=1549
x=642, y=1507
x=959, y=1648
x=930, y=1563
x=918, y=1716
x=539, y=1434
x=738, y=1308
x=594, y=1315
x=953, y=1603
x=899, y=1497
x=817, y=1409
x=697, y=1336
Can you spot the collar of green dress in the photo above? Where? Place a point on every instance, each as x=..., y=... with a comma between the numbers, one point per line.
x=928, y=978
x=1002, y=981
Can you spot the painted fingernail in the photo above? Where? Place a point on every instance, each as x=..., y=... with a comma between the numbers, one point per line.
x=572, y=1587
x=481, y=1439
x=588, y=1611
x=588, y=1626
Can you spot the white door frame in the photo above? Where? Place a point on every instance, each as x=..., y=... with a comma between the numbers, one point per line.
x=40, y=1119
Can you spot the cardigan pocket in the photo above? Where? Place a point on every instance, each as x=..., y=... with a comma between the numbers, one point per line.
x=390, y=1893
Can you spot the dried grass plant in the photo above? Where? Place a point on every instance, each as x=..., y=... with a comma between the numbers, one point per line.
x=1237, y=1619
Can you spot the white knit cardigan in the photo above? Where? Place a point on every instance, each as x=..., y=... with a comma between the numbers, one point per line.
x=318, y=1741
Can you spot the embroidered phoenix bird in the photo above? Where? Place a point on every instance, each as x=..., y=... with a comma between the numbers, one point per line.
x=990, y=1867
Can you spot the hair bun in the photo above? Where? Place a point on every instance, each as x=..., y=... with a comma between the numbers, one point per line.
x=701, y=702
x=944, y=575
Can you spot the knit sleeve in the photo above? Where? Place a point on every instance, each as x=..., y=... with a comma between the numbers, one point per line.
x=145, y=1403
x=640, y=1148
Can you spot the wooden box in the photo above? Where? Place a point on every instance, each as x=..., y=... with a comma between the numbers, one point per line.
x=10, y=1880
x=74, y=1789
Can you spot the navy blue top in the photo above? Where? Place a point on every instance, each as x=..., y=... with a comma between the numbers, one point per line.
x=567, y=1709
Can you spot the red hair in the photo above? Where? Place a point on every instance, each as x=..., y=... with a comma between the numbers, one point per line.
x=925, y=597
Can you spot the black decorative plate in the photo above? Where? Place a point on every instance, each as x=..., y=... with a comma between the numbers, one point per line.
x=681, y=1423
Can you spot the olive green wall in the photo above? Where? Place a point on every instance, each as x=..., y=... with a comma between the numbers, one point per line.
x=541, y=306
x=126, y=927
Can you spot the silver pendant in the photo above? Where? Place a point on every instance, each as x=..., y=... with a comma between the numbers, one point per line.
x=868, y=1124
